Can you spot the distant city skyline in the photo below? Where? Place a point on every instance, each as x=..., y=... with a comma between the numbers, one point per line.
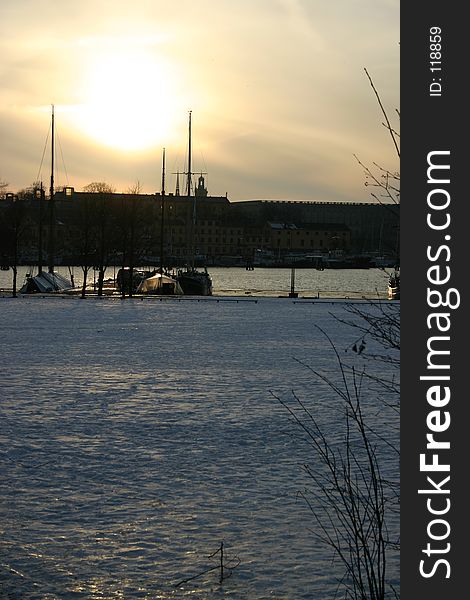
x=277, y=89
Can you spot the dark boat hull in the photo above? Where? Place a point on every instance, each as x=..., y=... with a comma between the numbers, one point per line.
x=195, y=283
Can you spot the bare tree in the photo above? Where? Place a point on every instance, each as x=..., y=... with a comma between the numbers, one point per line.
x=99, y=187
x=104, y=214
x=133, y=214
x=136, y=232
x=354, y=497
x=385, y=183
x=3, y=186
x=13, y=225
x=84, y=236
x=354, y=491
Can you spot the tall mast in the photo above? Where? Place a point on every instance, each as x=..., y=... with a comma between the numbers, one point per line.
x=41, y=224
x=163, y=173
x=193, y=224
x=177, y=190
x=51, y=203
x=162, y=213
x=189, y=158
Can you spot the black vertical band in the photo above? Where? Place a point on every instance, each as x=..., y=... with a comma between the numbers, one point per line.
x=435, y=325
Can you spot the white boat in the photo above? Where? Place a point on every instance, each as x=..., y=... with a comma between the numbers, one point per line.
x=160, y=284
x=394, y=285
x=45, y=283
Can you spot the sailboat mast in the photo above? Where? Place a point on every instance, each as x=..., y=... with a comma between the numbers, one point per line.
x=41, y=219
x=189, y=158
x=193, y=224
x=52, y=151
x=162, y=213
x=177, y=190
x=51, y=202
x=163, y=173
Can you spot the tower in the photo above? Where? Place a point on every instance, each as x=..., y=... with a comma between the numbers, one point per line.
x=201, y=190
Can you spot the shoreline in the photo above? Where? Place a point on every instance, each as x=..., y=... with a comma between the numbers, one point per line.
x=224, y=295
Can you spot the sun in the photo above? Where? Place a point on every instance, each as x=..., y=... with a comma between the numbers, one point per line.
x=129, y=100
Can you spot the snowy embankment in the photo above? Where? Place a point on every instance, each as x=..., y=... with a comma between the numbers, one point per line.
x=137, y=435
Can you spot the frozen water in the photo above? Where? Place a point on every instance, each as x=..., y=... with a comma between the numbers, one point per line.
x=136, y=435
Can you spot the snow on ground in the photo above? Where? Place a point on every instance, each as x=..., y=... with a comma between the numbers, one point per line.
x=137, y=435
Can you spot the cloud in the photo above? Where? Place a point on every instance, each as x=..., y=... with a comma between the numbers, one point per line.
x=277, y=88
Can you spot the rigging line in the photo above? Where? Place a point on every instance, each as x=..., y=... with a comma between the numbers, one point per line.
x=203, y=159
x=62, y=157
x=175, y=165
x=204, y=168
x=185, y=172
x=43, y=153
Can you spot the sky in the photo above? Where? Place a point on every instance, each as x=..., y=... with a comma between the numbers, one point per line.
x=279, y=98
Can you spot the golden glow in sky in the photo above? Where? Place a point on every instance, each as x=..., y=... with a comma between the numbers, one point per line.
x=277, y=89
x=129, y=100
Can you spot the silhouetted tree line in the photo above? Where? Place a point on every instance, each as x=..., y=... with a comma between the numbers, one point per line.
x=103, y=229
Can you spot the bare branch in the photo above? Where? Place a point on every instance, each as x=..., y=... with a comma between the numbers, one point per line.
x=351, y=499
x=384, y=112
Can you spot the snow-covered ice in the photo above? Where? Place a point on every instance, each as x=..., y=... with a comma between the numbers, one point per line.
x=136, y=435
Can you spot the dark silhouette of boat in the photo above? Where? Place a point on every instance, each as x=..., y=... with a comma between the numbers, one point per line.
x=193, y=282
x=50, y=281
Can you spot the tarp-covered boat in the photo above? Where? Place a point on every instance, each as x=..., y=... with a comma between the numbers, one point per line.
x=160, y=284
x=45, y=283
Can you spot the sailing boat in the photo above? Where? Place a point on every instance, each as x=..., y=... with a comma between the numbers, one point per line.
x=192, y=281
x=160, y=282
x=50, y=281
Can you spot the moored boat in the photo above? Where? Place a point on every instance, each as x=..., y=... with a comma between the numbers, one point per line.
x=194, y=282
x=127, y=281
x=49, y=281
x=160, y=284
x=45, y=283
x=394, y=285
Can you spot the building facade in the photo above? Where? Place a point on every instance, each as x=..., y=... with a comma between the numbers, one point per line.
x=217, y=230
